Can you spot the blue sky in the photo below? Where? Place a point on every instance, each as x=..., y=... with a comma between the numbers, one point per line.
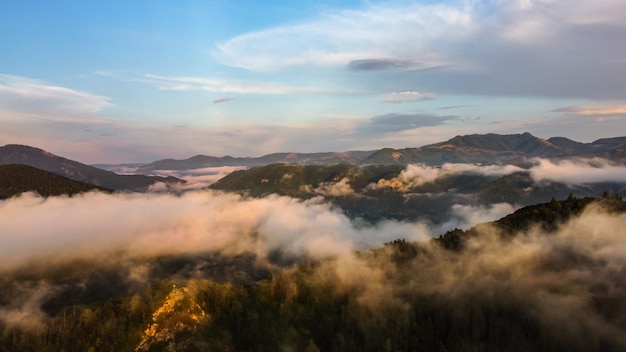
x=136, y=81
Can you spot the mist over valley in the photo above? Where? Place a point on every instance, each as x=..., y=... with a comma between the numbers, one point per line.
x=380, y=175
x=320, y=256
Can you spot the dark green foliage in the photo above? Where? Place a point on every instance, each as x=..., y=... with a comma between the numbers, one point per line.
x=300, y=180
x=17, y=178
x=547, y=216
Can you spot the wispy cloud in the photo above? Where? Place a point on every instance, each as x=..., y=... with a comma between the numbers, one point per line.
x=28, y=95
x=222, y=100
x=219, y=85
x=594, y=110
x=380, y=64
x=408, y=97
x=525, y=43
x=356, y=38
x=398, y=122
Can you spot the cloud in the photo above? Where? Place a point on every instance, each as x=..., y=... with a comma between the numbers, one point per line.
x=195, y=179
x=335, y=189
x=379, y=64
x=535, y=48
x=24, y=309
x=218, y=85
x=577, y=171
x=415, y=175
x=408, y=97
x=554, y=282
x=397, y=122
x=597, y=110
x=376, y=38
x=566, y=285
x=25, y=95
x=169, y=224
x=570, y=171
x=467, y=216
x=222, y=100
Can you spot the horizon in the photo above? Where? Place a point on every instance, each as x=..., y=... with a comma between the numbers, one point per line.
x=286, y=152
x=134, y=83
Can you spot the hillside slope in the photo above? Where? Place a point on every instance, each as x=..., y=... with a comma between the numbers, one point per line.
x=561, y=289
x=38, y=158
x=19, y=178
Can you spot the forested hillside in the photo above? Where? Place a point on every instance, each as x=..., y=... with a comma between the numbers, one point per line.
x=18, y=178
x=543, y=279
x=417, y=192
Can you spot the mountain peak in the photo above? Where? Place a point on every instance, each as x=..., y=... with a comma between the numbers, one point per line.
x=492, y=141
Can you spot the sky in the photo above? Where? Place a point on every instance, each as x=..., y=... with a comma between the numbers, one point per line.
x=122, y=81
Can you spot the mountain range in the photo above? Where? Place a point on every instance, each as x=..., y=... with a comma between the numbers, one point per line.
x=204, y=161
x=490, y=148
x=476, y=148
x=43, y=160
x=302, y=174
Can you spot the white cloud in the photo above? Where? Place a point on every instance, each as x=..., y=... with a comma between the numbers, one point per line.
x=416, y=175
x=594, y=110
x=473, y=215
x=218, y=85
x=336, y=189
x=407, y=97
x=25, y=95
x=337, y=38
x=146, y=224
x=578, y=171
x=194, y=178
x=534, y=47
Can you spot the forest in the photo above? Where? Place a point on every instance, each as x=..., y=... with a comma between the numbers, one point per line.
x=18, y=178
x=528, y=282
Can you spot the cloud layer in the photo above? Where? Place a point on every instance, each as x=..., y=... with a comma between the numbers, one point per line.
x=566, y=284
x=578, y=171
x=168, y=224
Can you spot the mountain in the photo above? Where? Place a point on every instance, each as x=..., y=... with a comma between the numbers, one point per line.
x=375, y=192
x=204, y=161
x=476, y=148
x=546, y=216
x=491, y=148
x=40, y=159
x=19, y=178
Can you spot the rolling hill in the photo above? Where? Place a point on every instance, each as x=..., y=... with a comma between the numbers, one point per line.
x=550, y=292
x=19, y=178
x=40, y=159
x=203, y=161
x=375, y=192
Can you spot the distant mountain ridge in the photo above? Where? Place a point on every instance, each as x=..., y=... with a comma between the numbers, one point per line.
x=488, y=148
x=40, y=159
x=475, y=148
x=203, y=161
